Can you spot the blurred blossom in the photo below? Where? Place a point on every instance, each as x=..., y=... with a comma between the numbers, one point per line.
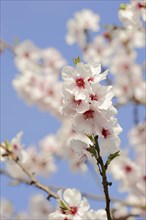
x=79, y=26
x=6, y=209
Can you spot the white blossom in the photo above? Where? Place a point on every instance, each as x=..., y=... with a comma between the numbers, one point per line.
x=7, y=209
x=82, y=22
x=90, y=105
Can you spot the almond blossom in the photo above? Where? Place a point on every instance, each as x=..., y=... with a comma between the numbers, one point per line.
x=89, y=130
x=26, y=56
x=14, y=146
x=82, y=22
x=38, y=81
x=39, y=164
x=89, y=103
x=132, y=14
x=74, y=207
x=126, y=170
x=98, y=50
x=137, y=137
x=7, y=209
x=41, y=90
x=59, y=146
x=39, y=208
x=132, y=177
x=29, y=57
x=51, y=61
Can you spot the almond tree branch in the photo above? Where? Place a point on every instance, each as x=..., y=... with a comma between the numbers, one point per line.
x=105, y=182
x=87, y=195
x=32, y=179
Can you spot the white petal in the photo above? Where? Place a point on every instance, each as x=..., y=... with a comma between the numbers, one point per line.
x=72, y=196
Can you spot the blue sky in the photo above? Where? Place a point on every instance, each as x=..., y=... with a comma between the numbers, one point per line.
x=44, y=22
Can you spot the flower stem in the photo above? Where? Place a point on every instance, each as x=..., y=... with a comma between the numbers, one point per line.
x=105, y=182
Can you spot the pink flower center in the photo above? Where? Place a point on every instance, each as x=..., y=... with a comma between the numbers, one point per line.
x=93, y=97
x=128, y=169
x=73, y=210
x=77, y=102
x=126, y=67
x=45, y=211
x=89, y=114
x=15, y=147
x=140, y=5
x=99, y=50
x=105, y=132
x=33, y=159
x=43, y=163
x=26, y=54
x=144, y=178
x=33, y=81
x=51, y=63
x=91, y=79
x=125, y=88
x=107, y=36
x=50, y=92
x=80, y=83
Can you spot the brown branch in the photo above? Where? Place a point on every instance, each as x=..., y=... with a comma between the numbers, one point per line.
x=87, y=195
x=32, y=180
x=105, y=182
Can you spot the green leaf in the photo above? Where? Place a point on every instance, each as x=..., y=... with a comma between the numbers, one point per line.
x=92, y=150
x=90, y=137
x=111, y=157
x=76, y=60
x=8, y=146
x=123, y=6
x=63, y=206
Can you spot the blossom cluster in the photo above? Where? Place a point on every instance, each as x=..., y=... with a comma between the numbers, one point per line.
x=83, y=103
x=83, y=22
x=133, y=14
x=37, y=163
x=39, y=208
x=89, y=103
x=131, y=172
x=116, y=48
x=59, y=146
x=73, y=207
x=38, y=81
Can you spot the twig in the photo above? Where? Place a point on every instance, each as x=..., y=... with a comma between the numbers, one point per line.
x=135, y=114
x=32, y=181
x=105, y=183
x=87, y=195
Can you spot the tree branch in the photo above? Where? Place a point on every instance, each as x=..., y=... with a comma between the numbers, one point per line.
x=87, y=195
x=105, y=183
x=32, y=180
